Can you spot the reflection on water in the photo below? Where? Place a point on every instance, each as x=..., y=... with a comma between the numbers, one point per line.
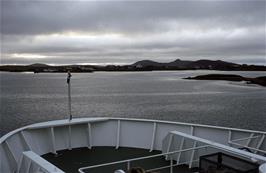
x=28, y=98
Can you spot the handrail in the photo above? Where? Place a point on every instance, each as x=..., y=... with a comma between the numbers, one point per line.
x=40, y=162
x=251, y=148
x=222, y=147
x=187, y=124
x=206, y=142
x=246, y=138
x=64, y=122
x=140, y=158
x=163, y=167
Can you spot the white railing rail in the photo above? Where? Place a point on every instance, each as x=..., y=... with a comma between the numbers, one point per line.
x=32, y=162
x=239, y=142
x=222, y=147
x=129, y=161
x=168, y=155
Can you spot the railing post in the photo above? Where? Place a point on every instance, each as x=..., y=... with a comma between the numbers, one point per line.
x=153, y=136
x=28, y=166
x=15, y=162
x=249, y=140
x=229, y=137
x=192, y=130
x=38, y=169
x=169, y=145
x=9, y=149
x=69, y=138
x=260, y=143
x=53, y=140
x=171, y=165
x=118, y=135
x=180, y=148
x=89, y=135
x=25, y=141
x=192, y=154
x=20, y=163
x=128, y=165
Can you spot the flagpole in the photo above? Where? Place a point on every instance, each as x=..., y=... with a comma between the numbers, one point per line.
x=69, y=94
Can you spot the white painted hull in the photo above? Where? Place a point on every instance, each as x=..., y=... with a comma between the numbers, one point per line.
x=52, y=136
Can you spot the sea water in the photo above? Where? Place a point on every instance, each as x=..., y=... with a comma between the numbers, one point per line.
x=28, y=98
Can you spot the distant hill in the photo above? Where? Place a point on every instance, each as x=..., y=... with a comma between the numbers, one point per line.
x=209, y=64
x=144, y=65
x=179, y=64
x=38, y=65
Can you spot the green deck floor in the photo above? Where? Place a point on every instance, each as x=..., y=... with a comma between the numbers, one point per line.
x=71, y=160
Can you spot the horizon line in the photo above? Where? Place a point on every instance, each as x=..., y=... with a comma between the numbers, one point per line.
x=123, y=63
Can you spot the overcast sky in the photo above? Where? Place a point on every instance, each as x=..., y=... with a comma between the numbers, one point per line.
x=67, y=32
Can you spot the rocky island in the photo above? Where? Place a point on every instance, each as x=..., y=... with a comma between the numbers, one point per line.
x=230, y=77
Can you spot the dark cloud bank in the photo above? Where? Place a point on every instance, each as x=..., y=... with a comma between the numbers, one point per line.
x=65, y=32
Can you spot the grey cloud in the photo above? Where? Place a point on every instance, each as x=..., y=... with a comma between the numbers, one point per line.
x=163, y=31
x=48, y=17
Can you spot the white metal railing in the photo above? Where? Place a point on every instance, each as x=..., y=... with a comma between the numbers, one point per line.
x=129, y=161
x=251, y=148
x=219, y=146
x=169, y=155
x=256, y=149
x=246, y=138
x=10, y=153
x=32, y=162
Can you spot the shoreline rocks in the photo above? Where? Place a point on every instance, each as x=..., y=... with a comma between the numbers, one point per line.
x=230, y=77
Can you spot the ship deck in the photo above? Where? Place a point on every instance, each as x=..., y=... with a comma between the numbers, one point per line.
x=71, y=160
x=55, y=146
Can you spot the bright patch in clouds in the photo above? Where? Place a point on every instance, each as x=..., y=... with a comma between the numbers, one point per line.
x=79, y=40
x=77, y=35
x=28, y=56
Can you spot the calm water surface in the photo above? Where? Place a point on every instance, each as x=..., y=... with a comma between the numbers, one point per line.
x=28, y=98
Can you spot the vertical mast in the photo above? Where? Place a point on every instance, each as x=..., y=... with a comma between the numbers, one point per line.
x=69, y=94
